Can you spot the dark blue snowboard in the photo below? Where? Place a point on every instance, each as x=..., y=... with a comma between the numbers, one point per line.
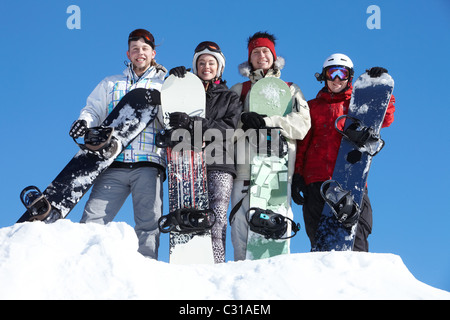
x=361, y=141
x=133, y=113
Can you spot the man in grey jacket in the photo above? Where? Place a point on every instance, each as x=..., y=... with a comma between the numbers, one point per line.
x=140, y=168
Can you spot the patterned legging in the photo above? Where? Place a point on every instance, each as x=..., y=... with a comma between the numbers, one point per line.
x=220, y=185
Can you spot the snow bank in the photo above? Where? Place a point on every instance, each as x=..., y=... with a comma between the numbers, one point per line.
x=67, y=260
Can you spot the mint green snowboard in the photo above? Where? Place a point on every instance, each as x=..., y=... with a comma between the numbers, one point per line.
x=269, y=174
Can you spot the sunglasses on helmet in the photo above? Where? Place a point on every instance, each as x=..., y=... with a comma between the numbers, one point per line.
x=141, y=33
x=211, y=46
x=337, y=71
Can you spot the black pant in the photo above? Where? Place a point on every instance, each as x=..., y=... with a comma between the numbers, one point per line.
x=312, y=211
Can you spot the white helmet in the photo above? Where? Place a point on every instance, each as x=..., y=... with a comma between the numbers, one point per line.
x=212, y=48
x=338, y=59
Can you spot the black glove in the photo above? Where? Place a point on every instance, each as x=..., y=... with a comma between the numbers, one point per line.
x=178, y=71
x=376, y=72
x=78, y=129
x=252, y=120
x=298, y=185
x=179, y=120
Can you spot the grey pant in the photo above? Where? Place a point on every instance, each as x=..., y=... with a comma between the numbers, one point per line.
x=239, y=225
x=111, y=190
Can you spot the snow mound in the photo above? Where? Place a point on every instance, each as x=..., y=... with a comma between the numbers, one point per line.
x=67, y=260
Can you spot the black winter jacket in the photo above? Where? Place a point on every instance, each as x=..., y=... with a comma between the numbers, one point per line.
x=223, y=110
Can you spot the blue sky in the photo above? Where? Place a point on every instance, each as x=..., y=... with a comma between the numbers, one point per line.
x=49, y=70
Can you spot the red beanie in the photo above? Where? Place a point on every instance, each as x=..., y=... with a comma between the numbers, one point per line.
x=262, y=42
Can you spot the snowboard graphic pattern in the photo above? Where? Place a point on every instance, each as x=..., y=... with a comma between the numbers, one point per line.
x=268, y=173
x=186, y=167
x=131, y=115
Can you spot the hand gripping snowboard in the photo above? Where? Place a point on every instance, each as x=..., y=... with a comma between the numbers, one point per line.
x=189, y=221
x=103, y=144
x=270, y=225
x=343, y=194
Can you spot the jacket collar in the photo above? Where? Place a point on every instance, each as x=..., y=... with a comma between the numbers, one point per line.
x=157, y=71
x=245, y=70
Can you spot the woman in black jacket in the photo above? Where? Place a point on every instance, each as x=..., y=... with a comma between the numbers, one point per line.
x=223, y=110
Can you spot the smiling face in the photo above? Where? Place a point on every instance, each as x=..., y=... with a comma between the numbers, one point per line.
x=207, y=67
x=337, y=85
x=261, y=58
x=141, y=55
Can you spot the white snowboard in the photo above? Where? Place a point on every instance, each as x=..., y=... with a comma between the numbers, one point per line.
x=186, y=170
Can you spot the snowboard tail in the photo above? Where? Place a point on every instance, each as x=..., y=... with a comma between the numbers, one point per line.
x=188, y=190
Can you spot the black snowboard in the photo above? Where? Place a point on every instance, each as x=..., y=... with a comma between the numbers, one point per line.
x=134, y=112
x=361, y=141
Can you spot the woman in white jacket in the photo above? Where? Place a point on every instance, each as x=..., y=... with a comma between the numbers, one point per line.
x=140, y=168
x=262, y=62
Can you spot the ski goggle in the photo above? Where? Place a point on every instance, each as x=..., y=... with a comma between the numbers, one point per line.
x=211, y=46
x=341, y=72
x=142, y=33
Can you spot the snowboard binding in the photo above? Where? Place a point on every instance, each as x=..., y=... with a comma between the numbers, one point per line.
x=341, y=203
x=187, y=220
x=270, y=224
x=100, y=140
x=36, y=203
x=361, y=136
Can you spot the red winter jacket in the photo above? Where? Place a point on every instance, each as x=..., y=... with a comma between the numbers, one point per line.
x=317, y=152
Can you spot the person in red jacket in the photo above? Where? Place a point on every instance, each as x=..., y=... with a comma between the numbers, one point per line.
x=317, y=152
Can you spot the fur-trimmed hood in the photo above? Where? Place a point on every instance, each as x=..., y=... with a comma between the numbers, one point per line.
x=245, y=68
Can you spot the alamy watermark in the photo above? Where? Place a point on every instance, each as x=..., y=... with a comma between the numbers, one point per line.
x=374, y=20
x=74, y=20
x=234, y=146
